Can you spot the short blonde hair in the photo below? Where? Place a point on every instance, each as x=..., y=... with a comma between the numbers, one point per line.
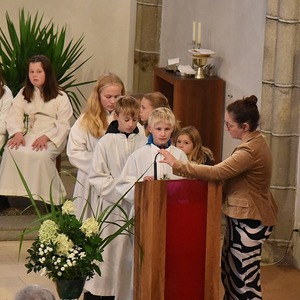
x=161, y=114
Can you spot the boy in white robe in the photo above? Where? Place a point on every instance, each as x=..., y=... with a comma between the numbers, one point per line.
x=140, y=166
x=111, y=152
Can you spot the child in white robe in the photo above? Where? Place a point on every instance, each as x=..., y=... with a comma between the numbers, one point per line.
x=140, y=166
x=85, y=133
x=6, y=98
x=111, y=152
x=38, y=124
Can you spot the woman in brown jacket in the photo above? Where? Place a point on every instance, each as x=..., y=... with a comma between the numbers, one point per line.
x=247, y=201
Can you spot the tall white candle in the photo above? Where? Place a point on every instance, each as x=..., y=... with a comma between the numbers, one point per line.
x=194, y=32
x=199, y=33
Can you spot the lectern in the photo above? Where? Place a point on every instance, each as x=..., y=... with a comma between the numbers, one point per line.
x=177, y=240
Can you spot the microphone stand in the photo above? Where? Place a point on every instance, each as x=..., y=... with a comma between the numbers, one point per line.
x=155, y=166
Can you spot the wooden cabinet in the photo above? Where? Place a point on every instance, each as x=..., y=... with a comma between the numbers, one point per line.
x=197, y=102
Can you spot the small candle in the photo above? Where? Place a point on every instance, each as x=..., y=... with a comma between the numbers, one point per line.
x=194, y=32
x=199, y=33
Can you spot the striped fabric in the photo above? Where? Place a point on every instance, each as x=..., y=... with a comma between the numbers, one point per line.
x=241, y=256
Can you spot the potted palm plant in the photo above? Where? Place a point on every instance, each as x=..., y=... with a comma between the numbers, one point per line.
x=35, y=38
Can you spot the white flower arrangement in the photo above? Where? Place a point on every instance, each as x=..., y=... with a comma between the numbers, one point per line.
x=67, y=248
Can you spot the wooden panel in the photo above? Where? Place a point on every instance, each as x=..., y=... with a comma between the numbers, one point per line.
x=213, y=238
x=150, y=238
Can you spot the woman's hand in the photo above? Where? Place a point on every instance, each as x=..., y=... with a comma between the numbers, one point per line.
x=40, y=143
x=148, y=178
x=16, y=141
x=168, y=157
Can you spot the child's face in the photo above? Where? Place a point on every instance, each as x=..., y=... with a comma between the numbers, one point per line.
x=184, y=143
x=37, y=74
x=145, y=110
x=127, y=123
x=109, y=96
x=161, y=133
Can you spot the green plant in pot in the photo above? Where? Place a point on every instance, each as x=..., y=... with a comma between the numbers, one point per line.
x=35, y=38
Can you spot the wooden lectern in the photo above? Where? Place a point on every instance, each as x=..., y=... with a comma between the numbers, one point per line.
x=177, y=240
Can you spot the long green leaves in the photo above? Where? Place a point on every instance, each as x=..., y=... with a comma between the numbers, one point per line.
x=35, y=38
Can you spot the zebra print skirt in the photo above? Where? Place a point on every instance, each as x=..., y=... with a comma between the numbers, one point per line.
x=241, y=256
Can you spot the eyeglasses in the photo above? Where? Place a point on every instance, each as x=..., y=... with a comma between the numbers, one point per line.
x=228, y=125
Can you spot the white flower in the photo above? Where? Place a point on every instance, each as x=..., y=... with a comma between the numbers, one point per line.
x=64, y=244
x=47, y=232
x=68, y=208
x=90, y=227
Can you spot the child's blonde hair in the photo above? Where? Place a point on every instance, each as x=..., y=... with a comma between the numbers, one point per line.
x=127, y=105
x=94, y=118
x=199, y=153
x=161, y=114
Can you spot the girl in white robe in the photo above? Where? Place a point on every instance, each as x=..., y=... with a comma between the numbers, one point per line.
x=38, y=123
x=6, y=98
x=123, y=137
x=5, y=102
x=86, y=132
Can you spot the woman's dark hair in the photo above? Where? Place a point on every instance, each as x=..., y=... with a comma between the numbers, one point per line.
x=50, y=88
x=2, y=83
x=245, y=111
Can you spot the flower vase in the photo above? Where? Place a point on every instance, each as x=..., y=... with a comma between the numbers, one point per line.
x=68, y=289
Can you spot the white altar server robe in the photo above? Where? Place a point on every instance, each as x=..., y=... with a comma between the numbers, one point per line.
x=80, y=149
x=109, y=157
x=51, y=118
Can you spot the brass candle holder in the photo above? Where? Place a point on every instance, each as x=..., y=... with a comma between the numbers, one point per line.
x=199, y=60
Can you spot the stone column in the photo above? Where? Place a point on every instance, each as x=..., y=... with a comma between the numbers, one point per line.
x=146, y=52
x=280, y=105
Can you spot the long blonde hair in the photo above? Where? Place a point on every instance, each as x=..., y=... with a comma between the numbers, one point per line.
x=94, y=118
x=199, y=154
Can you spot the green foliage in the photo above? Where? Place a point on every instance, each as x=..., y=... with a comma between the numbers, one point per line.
x=67, y=247
x=34, y=38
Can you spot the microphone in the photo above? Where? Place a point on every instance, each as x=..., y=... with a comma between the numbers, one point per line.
x=155, y=166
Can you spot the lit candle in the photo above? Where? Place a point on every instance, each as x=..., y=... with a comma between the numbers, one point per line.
x=199, y=33
x=194, y=32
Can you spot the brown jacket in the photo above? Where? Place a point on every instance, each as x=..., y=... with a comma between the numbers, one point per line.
x=246, y=174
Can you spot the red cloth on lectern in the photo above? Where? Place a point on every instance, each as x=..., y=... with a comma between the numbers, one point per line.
x=185, y=239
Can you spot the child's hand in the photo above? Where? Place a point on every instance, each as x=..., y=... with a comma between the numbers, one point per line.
x=148, y=178
x=40, y=143
x=168, y=157
x=16, y=141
